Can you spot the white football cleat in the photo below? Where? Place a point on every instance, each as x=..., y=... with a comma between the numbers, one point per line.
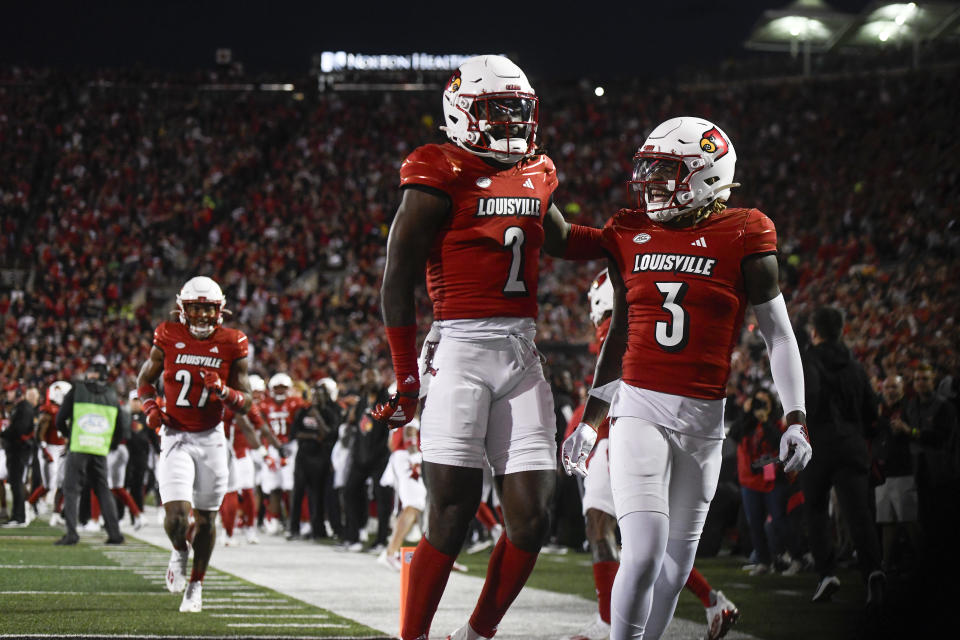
x=250, y=535
x=272, y=527
x=720, y=617
x=138, y=523
x=56, y=519
x=466, y=632
x=192, y=598
x=177, y=571
x=597, y=630
x=391, y=561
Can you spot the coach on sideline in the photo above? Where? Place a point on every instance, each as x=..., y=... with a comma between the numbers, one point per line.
x=93, y=421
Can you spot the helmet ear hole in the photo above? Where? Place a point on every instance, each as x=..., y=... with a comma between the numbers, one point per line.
x=711, y=180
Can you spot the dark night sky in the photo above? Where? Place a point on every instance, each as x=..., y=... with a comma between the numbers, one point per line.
x=598, y=38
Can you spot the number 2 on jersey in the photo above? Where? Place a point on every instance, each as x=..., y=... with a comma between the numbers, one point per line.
x=513, y=239
x=183, y=399
x=673, y=336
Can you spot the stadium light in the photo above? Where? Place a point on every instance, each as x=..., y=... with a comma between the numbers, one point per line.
x=598, y=91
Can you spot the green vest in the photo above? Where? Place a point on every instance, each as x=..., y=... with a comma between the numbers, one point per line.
x=94, y=420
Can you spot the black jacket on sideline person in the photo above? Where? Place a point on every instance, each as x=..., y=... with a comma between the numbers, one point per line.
x=840, y=401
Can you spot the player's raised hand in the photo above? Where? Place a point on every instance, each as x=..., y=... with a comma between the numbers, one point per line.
x=212, y=381
x=576, y=449
x=795, y=449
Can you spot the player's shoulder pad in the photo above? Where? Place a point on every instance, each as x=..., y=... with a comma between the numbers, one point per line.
x=760, y=234
x=236, y=339
x=429, y=165
x=165, y=334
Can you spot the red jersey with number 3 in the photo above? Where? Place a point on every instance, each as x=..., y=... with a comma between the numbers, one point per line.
x=686, y=296
x=188, y=404
x=485, y=259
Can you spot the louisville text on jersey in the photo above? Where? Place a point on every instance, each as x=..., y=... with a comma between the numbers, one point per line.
x=199, y=361
x=674, y=263
x=508, y=207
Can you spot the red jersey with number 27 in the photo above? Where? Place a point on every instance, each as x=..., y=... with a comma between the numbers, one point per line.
x=685, y=295
x=485, y=259
x=188, y=404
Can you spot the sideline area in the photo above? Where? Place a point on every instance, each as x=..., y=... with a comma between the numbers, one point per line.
x=355, y=586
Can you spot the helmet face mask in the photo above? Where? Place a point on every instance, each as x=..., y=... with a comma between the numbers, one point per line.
x=491, y=110
x=200, y=304
x=683, y=166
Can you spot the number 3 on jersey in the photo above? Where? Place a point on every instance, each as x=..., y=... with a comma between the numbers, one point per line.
x=513, y=239
x=673, y=336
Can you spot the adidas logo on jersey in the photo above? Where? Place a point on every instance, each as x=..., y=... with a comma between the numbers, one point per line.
x=699, y=242
x=214, y=350
x=528, y=183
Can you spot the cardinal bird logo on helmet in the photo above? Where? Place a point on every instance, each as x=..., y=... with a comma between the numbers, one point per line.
x=453, y=85
x=712, y=142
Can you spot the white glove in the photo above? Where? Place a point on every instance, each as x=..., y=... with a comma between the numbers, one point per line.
x=795, y=449
x=576, y=448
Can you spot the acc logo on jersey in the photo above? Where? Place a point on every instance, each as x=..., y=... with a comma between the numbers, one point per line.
x=93, y=423
x=483, y=182
x=180, y=345
x=640, y=238
x=453, y=85
x=712, y=142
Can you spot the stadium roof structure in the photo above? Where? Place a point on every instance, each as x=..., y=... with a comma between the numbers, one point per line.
x=819, y=28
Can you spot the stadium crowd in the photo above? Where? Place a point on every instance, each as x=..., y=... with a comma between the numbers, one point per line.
x=115, y=188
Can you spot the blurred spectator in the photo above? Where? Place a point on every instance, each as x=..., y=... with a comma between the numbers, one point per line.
x=840, y=407
x=896, y=495
x=315, y=437
x=369, y=456
x=933, y=426
x=18, y=445
x=762, y=485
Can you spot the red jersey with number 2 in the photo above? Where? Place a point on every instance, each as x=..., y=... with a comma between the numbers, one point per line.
x=188, y=404
x=485, y=259
x=685, y=296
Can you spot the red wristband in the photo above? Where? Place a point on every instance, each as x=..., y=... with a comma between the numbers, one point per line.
x=403, y=349
x=583, y=243
x=146, y=392
x=233, y=399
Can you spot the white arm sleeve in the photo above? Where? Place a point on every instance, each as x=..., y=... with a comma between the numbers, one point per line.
x=785, y=364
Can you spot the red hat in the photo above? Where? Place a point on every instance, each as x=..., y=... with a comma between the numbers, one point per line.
x=13, y=385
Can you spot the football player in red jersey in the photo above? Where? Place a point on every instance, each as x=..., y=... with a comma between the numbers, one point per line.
x=475, y=214
x=683, y=268
x=276, y=477
x=601, y=516
x=204, y=367
x=52, y=450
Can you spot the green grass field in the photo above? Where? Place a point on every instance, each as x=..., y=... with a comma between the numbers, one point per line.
x=98, y=589
x=103, y=590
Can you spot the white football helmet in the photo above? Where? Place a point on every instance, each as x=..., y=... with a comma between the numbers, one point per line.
x=201, y=321
x=685, y=164
x=58, y=391
x=331, y=386
x=600, y=296
x=490, y=109
x=257, y=385
x=280, y=380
